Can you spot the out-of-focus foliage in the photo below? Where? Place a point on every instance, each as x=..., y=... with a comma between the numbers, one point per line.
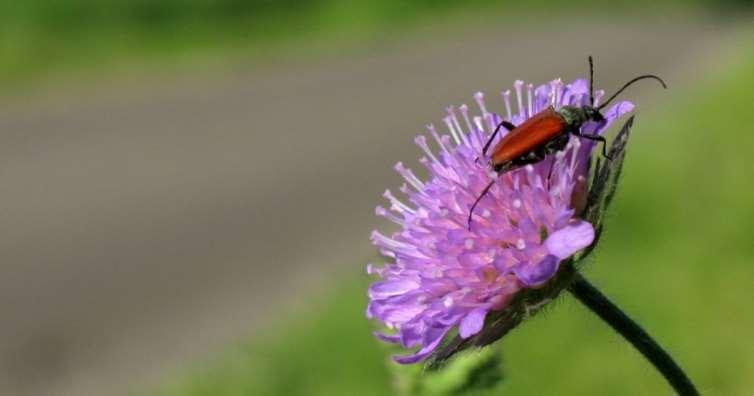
x=676, y=255
x=472, y=372
x=43, y=37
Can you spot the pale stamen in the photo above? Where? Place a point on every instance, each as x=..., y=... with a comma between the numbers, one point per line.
x=507, y=100
x=529, y=89
x=517, y=85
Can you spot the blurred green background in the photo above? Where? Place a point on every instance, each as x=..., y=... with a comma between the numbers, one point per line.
x=190, y=185
x=47, y=38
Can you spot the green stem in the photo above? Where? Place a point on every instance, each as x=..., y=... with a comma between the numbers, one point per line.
x=633, y=333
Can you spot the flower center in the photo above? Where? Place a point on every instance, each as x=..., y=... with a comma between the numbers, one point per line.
x=489, y=274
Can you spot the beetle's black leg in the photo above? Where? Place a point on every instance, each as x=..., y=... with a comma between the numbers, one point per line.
x=479, y=198
x=509, y=126
x=596, y=139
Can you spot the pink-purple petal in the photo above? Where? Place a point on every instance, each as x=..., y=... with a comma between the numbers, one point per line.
x=380, y=290
x=434, y=339
x=568, y=240
x=534, y=275
x=393, y=339
x=473, y=322
x=618, y=109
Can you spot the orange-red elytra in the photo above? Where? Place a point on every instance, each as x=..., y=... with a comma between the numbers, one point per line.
x=547, y=132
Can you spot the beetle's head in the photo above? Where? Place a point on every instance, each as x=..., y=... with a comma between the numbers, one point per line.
x=592, y=114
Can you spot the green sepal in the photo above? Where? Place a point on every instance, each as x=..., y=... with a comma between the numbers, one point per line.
x=473, y=372
x=606, y=176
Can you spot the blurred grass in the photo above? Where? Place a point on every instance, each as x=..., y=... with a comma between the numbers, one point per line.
x=677, y=256
x=47, y=39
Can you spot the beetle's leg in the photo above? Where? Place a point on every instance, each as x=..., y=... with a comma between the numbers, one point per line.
x=509, y=126
x=596, y=139
x=479, y=198
x=556, y=144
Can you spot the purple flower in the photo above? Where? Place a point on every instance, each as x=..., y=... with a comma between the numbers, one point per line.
x=443, y=276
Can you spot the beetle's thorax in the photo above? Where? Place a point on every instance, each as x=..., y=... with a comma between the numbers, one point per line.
x=574, y=116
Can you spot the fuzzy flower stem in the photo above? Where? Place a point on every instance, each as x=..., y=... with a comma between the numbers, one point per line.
x=633, y=333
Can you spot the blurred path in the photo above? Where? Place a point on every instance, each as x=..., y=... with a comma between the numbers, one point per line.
x=146, y=225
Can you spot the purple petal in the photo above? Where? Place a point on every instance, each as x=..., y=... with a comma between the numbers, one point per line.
x=449, y=317
x=579, y=86
x=618, y=109
x=437, y=286
x=536, y=275
x=411, y=335
x=471, y=260
x=575, y=92
x=473, y=322
x=436, y=336
x=385, y=289
x=401, y=313
x=566, y=241
x=394, y=339
x=541, y=96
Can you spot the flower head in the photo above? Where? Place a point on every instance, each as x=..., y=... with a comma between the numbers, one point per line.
x=444, y=276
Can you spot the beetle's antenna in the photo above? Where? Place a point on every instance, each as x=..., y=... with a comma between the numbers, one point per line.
x=479, y=198
x=643, y=77
x=591, y=81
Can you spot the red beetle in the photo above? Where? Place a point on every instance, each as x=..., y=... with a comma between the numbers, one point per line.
x=547, y=132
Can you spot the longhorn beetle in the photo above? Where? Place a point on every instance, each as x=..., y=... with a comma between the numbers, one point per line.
x=547, y=132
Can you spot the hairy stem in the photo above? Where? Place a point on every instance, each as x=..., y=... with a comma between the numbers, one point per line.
x=633, y=333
